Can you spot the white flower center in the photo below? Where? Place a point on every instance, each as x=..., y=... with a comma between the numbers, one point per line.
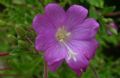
x=62, y=34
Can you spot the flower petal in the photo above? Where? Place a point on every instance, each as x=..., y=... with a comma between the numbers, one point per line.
x=54, y=53
x=87, y=48
x=36, y=21
x=45, y=31
x=43, y=41
x=55, y=13
x=75, y=15
x=53, y=67
x=84, y=50
x=80, y=63
x=41, y=23
x=86, y=30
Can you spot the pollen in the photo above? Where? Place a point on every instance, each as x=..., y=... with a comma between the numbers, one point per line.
x=62, y=34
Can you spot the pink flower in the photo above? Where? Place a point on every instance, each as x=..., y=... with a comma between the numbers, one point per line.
x=112, y=28
x=68, y=36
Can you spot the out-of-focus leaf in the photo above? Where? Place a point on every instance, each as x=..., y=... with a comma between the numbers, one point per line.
x=114, y=31
x=20, y=31
x=18, y=2
x=93, y=13
x=108, y=9
x=11, y=38
x=47, y=1
x=96, y=3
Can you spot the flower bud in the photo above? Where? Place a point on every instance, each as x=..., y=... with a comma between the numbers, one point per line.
x=112, y=28
x=22, y=44
x=11, y=38
x=20, y=31
x=2, y=22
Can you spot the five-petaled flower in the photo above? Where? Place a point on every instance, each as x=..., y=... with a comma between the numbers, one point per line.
x=68, y=36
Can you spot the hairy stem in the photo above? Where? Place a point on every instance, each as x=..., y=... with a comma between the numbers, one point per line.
x=113, y=14
x=45, y=75
x=94, y=71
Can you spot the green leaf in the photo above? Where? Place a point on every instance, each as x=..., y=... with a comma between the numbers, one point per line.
x=19, y=2
x=93, y=13
x=20, y=31
x=114, y=31
x=96, y=3
x=47, y=2
x=108, y=9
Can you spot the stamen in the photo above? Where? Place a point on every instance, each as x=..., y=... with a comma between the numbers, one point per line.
x=62, y=34
x=68, y=34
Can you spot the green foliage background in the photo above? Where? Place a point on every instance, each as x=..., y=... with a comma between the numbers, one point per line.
x=17, y=39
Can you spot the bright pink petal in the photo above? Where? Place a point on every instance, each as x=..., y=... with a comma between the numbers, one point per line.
x=53, y=67
x=54, y=53
x=86, y=30
x=55, y=13
x=75, y=15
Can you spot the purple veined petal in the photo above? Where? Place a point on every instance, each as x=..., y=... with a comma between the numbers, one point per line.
x=84, y=51
x=39, y=42
x=44, y=41
x=41, y=23
x=54, y=53
x=55, y=13
x=78, y=66
x=78, y=62
x=75, y=15
x=53, y=67
x=45, y=32
x=36, y=21
x=86, y=30
x=91, y=47
x=86, y=48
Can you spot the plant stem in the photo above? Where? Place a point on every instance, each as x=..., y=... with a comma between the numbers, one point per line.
x=4, y=53
x=94, y=71
x=45, y=75
x=113, y=14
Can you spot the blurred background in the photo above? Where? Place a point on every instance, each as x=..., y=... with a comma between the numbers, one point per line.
x=18, y=58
